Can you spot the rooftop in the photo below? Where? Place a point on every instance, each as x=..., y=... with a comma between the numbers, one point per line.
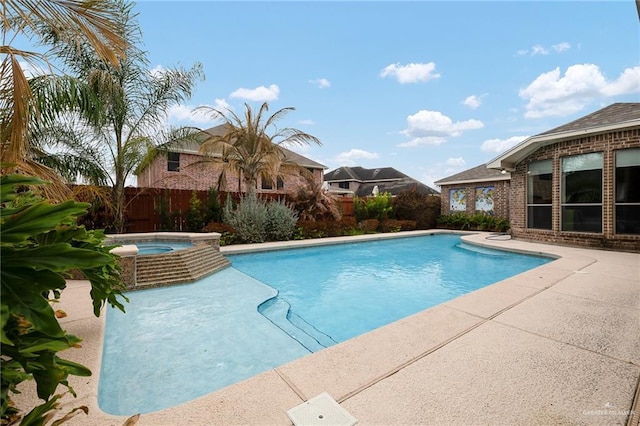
x=387, y=179
x=476, y=174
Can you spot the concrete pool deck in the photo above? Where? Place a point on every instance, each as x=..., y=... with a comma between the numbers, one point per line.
x=558, y=344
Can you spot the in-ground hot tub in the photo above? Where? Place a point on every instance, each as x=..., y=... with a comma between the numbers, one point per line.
x=132, y=246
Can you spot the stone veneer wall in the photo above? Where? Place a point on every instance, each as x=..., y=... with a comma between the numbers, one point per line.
x=607, y=144
x=203, y=176
x=500, y=198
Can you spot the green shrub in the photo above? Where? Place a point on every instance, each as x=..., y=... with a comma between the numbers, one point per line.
x=166, y=218
x=421, y=208
x=377, y=207
x=369, y=225
x=40, y=246
x=249, y=219
x=395, y=225
x=475, y=222
x=281, y=221
x=213, y=208
x=195, y=216
x=226, y=231
x=330, y=228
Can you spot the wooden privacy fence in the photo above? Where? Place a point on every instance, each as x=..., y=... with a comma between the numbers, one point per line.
x=143, y=212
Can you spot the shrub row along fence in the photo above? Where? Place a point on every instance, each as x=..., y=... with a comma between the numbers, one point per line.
x=150, y=209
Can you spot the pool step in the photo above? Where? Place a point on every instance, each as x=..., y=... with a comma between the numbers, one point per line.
x=180, y=266
x=278, y=311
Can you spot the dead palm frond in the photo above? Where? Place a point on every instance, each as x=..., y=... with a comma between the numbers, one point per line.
x=87, y=21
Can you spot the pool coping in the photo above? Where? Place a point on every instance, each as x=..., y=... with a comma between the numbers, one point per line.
x=364, y=374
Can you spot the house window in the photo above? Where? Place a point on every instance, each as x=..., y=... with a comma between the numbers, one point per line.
x=343, y=185
x=457, y=200
x=581, y=189
x=539, y=190
x=484, y=199
x=628, y=191
x=173, y=162
x=266, y=182
x=280, y=183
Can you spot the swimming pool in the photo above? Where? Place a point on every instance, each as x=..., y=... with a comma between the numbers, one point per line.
x=178, y=343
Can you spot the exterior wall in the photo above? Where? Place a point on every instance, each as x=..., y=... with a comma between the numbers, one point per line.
x=203, y=176
x=500, y=198
x=353, y=186
x=605, y=143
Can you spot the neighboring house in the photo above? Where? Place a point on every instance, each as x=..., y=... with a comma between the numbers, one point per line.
x=579, y=183
x=183, y=167
x=363, y=182
x=477, y=190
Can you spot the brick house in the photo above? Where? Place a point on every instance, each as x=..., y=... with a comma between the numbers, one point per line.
x=184, y=167
x=361, y=182
x=579, y=184
x=477, y=190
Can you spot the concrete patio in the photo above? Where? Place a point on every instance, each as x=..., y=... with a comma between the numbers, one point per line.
x=559, y=344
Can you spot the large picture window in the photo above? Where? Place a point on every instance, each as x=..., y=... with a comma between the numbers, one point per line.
x=539, y=194
x=581, y=191
x=457, y=200
x=628, y=191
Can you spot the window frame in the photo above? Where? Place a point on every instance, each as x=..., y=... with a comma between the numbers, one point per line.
x=532, y=205
x=616, y=204
x=173, y=164
x=565, y=205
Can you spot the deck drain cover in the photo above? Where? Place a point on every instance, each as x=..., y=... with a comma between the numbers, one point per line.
x=321, y=410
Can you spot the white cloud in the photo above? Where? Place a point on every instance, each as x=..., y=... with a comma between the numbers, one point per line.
x=628, y=82
x=307, y=122
x=189, y=113
x=411, y=73
x=561, y=47
x=348, y=158
x=552, y=94
x=501, y=145
x=428, y=140
x=157, y=70
x=432, y=128
x=258, y=94
x=473, y=101
x=186, y=113
x=456, y=162
x=541, y=50
x=538, y=50
x=322, y=83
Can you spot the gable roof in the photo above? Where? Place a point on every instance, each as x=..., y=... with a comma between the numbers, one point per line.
x=360, y=174
x=614, y=117
x=476, y=174
x=193, y=147
x=387, y=179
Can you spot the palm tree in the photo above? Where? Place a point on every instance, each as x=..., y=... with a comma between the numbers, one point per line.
x=75, y=21
x=105, y=141
x=248, y=148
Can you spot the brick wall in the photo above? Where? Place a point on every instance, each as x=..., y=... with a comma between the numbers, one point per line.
x=500, y=197
x=197, y=175
x=607, y=144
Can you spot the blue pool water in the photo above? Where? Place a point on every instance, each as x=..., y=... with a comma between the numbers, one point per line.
x=177, y=343
x=158, y=247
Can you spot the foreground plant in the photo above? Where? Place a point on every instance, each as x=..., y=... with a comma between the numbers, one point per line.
x=40, y=244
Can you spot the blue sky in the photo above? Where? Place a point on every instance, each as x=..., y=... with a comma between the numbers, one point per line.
x=430, y=88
